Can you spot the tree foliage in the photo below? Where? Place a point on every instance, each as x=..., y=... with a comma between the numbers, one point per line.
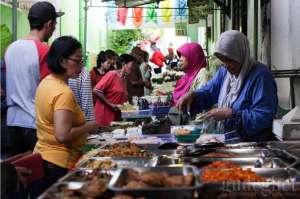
x=121, y=40
x=5, y=38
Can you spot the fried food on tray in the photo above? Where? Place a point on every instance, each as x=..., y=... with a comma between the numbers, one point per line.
x=221, y=165
x=219, y=155
x=126, y=197
x=133, y=175
x=188, y=180
x=100, y=164
x=139, y=180
x=154, y=179
x=124, y=150
x=86, y=156
x=136, y=185
x=94, y=188
x=230, y=175
x=178, y=181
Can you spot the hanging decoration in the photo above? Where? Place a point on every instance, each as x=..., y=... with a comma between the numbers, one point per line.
x=165, y=12
x=151, y=14
x=112, y=14
x=137, y=16
x=182, y=10
x=147, y=16
x=122, y=15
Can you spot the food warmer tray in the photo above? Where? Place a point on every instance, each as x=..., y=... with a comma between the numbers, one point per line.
x=155, y=192
x=85, y=175
x=280, y=181
x=252, y=162
x=122, y=162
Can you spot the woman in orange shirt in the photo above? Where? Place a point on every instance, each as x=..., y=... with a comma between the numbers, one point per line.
x=61, y=125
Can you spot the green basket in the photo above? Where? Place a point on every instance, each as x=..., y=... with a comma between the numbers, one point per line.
x=189, y=138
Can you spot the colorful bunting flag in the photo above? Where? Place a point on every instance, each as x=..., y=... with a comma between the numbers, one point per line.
x=151, y=14
x=165, y=12
x=111, y=14
x=122, y=15
x=138, y=16
x=182, y=11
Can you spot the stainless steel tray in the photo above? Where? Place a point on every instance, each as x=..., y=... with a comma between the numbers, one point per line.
x=251, y=145
x=146, y=153
x=273, y=176
x=285, y=145
x=84, y=175
x=119, y=180
x=159, y=152
x=279, y=175
x=294, y=152
x=251, y=162
x=285, y=156
x=61, y=190
x=249, y=191
x=280, y=180
x=122, y=162
x=244, y=152
x=77, y=190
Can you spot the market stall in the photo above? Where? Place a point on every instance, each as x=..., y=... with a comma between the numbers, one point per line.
x=126, y=163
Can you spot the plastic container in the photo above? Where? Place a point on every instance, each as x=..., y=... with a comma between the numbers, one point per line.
x=192, y=137
x=160, y=111
x=137, y=114
x=188, y=138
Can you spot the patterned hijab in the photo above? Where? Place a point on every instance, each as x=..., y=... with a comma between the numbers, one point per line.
x=235, y=46
x=196, y=60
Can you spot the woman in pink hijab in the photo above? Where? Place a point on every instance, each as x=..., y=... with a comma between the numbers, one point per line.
x=193, y=59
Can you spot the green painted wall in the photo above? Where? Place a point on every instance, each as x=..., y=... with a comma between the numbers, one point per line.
x=70, y=20
x=192, y=32
x=6, y=18
x=72, y=23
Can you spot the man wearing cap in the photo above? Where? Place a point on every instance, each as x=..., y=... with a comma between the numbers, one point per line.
x=26, y=66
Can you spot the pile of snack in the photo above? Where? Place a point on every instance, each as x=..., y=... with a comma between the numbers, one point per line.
x=95, y=185
x=101, y=164
x=228, y=172
x=124, y=150
x=140, y=180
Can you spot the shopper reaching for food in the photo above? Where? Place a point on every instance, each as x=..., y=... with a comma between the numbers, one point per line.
x=243, y=89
